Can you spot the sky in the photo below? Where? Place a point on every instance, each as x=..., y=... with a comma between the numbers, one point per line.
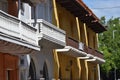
x=107, y=8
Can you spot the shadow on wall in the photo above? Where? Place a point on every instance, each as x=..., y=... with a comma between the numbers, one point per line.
x=32, y=71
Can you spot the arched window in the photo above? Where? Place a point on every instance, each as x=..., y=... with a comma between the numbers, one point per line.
x=45, y=72
x=32, y=71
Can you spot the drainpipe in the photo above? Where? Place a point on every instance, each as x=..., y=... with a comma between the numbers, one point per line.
x=98, y=72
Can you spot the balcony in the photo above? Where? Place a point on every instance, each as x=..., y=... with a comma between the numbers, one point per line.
x=49, y=35
x=81, y=46
x=89, y=50
x=16, y=32
x=72, y=42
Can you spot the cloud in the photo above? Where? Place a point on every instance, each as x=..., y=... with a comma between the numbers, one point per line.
x=107, y=7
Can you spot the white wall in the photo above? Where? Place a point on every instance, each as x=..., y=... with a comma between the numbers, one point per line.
x=45, y=55
x=24, y=68
x=26, y=12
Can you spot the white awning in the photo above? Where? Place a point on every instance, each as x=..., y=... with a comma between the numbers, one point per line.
x=68, y=50
x=99, y=60
x=96, y=60
x=72, y=51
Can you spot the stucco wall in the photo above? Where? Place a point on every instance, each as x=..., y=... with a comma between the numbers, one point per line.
x=69, y=67
x=45, y=55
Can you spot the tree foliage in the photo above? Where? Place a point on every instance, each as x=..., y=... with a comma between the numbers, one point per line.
x=109, y=44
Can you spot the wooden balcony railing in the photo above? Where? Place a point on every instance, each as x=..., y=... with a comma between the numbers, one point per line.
x=93, y=52
x=72, y=42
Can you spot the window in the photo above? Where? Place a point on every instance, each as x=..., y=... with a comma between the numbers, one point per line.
x=43, y=11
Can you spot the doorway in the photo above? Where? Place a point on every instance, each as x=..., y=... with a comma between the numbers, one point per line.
x=45, y=71
x=9, y=67
x=32, y=71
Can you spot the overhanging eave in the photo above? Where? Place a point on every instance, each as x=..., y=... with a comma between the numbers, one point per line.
x=72, y=51
x=80, y=10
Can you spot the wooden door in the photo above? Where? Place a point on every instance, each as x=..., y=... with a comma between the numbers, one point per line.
x=8, y=67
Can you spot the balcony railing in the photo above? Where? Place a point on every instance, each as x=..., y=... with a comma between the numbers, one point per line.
x=90, y=50
x=16, y=30
x=72, y=42
x=49, y=32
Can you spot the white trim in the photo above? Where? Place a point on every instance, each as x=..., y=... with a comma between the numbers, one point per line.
x=88, y=56
x=98, y=71
x=84, y=57
x=100, y=60
x=81, y=55
x=73, y=51
x=19, y=42
x=96, y=59
x=62, y=50
x=91, y=60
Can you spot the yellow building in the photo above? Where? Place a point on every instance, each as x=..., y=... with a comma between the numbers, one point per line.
x=79, y=60
x=49, y=40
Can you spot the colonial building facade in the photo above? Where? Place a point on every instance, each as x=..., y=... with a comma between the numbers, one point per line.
x=49, y=40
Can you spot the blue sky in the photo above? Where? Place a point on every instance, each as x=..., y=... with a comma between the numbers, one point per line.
x=108, y=8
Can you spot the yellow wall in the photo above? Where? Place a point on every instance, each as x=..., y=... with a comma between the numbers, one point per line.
x=79, y=31
x=74, y=27
x=84, y=70
x=83, y=32
x=69, y=67
x=88, y=36
x=92, y=38
x=92, y=71
x=67, y=22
